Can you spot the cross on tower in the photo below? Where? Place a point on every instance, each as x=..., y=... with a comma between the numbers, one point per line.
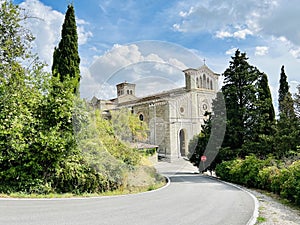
x=204, y=60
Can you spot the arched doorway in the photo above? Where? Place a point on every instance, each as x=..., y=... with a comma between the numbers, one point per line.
x=182, y=142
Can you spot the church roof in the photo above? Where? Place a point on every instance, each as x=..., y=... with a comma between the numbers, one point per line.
x=159, y=96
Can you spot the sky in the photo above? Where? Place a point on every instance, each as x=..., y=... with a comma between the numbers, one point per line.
x=150, y=42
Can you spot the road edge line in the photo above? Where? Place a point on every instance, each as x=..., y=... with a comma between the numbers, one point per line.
x=255, y=214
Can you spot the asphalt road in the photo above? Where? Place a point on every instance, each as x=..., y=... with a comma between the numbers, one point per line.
x=190, y=199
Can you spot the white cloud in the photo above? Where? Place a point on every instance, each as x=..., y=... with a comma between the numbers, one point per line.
x=295, y=52
x=241, y=34
x=214, y=15
x=223, y=34
x=46, y=26
x=185, y=14
x=231, y=51
x=261, y=50
x=130, y=63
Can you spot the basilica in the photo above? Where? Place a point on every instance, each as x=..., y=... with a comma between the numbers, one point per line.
x=173, y=116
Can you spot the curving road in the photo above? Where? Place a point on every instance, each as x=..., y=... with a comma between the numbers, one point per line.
x=189, y=199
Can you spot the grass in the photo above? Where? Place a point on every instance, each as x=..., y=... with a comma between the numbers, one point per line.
x=261, y=220
x=132, y=190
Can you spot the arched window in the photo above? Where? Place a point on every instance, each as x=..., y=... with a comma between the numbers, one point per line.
x=141, y=117
x=211, y=85
x=204, y=81
x=131, y=92
x=128, y=92
x=207, y=83
x=197, y=82
x=201, y=82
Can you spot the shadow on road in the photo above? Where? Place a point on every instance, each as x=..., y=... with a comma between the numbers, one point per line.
x=196, y=178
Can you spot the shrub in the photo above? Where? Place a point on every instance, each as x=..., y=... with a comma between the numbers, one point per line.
x=265, y=177
x=291, y=183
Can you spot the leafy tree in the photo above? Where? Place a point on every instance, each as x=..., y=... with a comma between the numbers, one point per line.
x=288, y=127
x=199, y=142
x=209, y=141
x=250, y=113
x=22, y=90
x=240, y=98
x=265, y=109
x=297, y=102
x=65, y=58
x=128, y=127
x=283, y=88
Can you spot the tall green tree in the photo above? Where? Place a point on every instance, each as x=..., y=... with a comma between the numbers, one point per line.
x=66, y=59
x=288, y=127
x=250, y=112
x=210, y=139
x=265, y=109
x=240, y=98
x=285, y=100
x=297, y=102
x=283, y=88
x=21, y=93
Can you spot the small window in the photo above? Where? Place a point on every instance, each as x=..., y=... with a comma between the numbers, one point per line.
x=141, y=117
x=181, y=110
x=131, y=92
x=128, y=92
x=211, y=85
x=197, y=82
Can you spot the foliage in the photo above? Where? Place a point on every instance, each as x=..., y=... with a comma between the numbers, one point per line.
x=268, y=174
x=127, y=126
x=297, y=102
x=283, y=90
x=49, y=139
x=199, y=142
x=65, y=58
x=209, y=141
x=240, y=95
x=250, y=112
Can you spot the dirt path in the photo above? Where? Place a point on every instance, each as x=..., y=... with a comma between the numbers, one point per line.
x=274, y=212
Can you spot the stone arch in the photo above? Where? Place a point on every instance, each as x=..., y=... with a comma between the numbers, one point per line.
x=207, y=83
x=182, y=142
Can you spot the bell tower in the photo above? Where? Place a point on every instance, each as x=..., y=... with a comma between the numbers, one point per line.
x=125, y=88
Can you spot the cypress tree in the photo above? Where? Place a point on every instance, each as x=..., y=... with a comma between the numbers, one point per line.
x=297, y=102
x=283, y=88
x=265, y=108
x=66, y=58
x=285, y=100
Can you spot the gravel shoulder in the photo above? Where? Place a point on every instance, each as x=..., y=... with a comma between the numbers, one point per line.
x=274, y=212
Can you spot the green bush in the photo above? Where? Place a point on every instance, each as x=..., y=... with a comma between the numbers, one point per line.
x=266, y=174
x=291, y=183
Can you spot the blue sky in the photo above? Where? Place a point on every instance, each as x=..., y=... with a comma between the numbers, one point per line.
x=121, y=40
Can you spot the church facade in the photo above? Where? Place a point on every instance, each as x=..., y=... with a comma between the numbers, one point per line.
x=173, y=116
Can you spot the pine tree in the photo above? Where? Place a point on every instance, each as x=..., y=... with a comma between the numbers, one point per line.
x=297, y=102
x=283, y=90
x=265, y=109
x=287, y=135
x=66, y=58
x=240, y=96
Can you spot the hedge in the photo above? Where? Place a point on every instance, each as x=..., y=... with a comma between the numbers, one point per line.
x=269, y=174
